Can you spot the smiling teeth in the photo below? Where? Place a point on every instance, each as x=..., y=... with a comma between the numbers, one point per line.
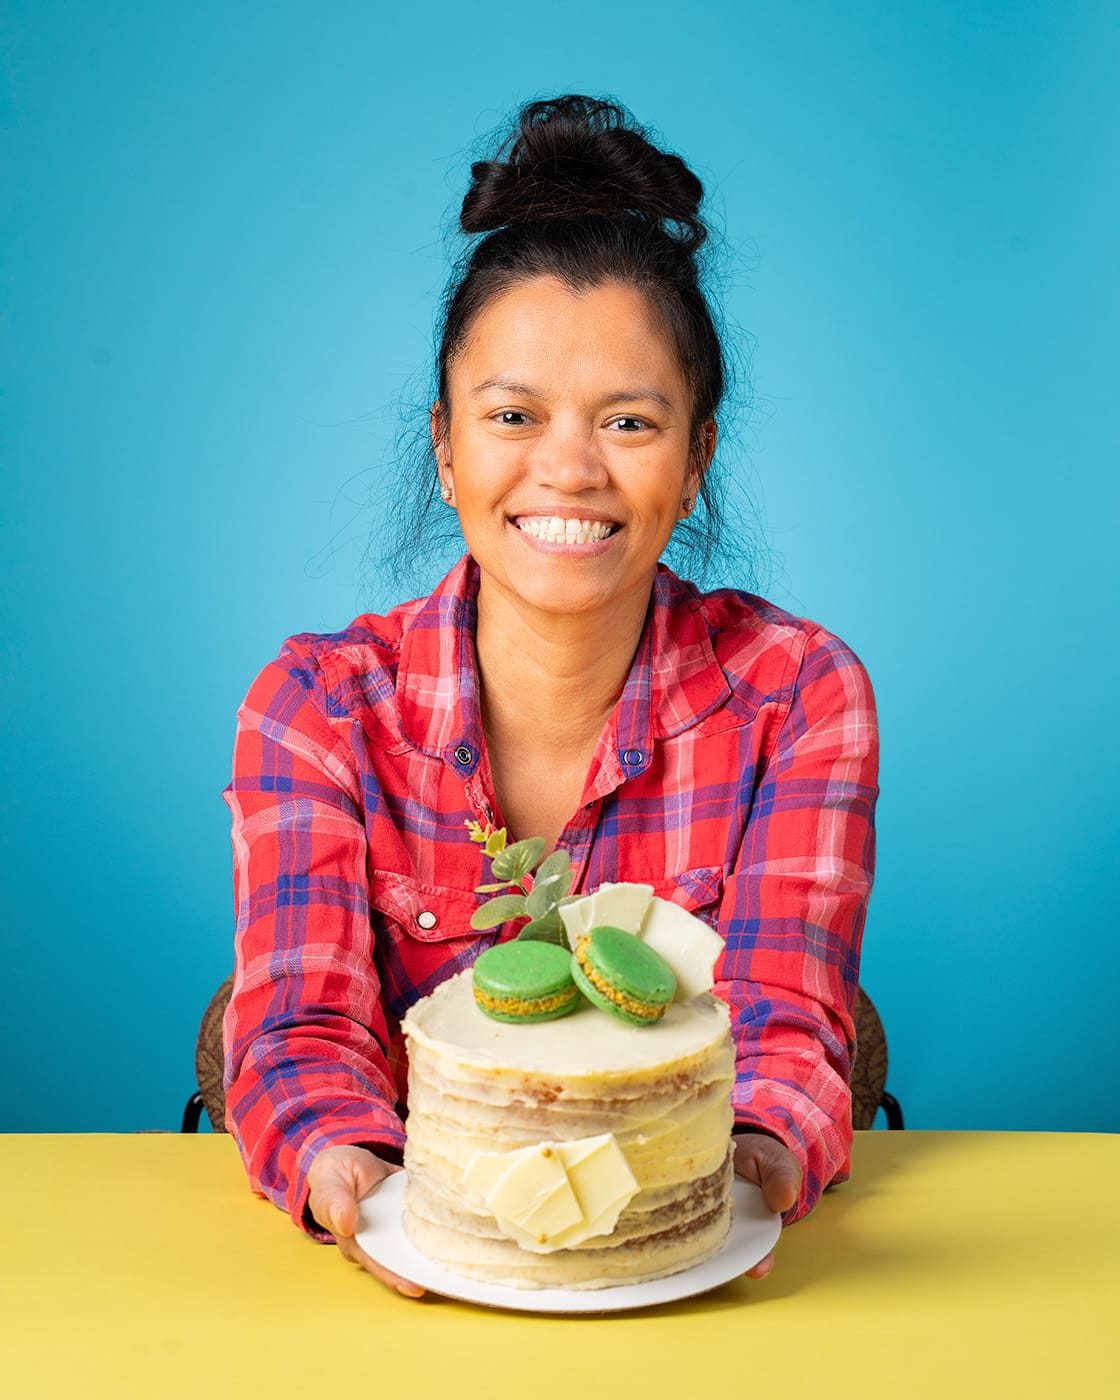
x=557, y=530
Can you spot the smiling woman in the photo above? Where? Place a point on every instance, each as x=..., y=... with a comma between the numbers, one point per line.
x=561, y=683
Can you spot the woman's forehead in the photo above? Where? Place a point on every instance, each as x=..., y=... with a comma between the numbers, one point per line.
x=543, y=329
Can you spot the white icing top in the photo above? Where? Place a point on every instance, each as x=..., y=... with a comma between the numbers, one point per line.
x=585, y=1042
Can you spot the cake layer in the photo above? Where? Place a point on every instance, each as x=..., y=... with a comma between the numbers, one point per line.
x=480, y=1088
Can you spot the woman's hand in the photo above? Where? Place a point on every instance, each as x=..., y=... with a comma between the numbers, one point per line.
x=339, y=1178
x=772, y=1167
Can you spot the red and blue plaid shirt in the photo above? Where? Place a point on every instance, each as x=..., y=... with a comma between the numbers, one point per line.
x=737, y=776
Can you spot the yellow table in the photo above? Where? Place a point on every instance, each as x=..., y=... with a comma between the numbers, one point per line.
x=952, y=1265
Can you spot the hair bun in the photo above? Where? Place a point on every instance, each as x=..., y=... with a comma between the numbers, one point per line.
x=570, y=157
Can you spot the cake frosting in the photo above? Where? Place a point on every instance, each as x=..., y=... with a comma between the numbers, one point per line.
x=577, y=1153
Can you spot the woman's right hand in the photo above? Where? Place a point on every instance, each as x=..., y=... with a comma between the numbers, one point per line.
x=340, y=1177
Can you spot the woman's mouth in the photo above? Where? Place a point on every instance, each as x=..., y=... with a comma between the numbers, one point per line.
x=555, y=529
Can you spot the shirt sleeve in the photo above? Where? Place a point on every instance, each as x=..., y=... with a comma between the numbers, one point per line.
x=306, y=1038
x=793, y=916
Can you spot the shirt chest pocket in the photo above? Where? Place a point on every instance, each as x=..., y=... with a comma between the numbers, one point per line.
x=427, y=914
x=699, y=890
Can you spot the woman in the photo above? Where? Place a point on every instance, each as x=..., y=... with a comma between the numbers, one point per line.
x=559, y=682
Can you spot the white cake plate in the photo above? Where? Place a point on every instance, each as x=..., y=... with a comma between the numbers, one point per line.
x=754, y=1232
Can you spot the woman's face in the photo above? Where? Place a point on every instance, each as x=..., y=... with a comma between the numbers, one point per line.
x=568, y=449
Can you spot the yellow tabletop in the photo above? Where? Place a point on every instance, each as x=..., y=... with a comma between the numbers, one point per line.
x=952, y=1264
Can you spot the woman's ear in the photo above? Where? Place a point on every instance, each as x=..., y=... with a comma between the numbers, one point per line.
x=703, y=450
x=706, y=449
x=442, y=447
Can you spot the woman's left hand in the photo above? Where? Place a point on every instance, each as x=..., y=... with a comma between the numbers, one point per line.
x=776, y=1171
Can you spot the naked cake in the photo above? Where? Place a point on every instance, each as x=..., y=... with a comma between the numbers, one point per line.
x=580, y=1151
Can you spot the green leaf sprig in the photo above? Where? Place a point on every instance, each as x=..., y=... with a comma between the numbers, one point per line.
x=510, y=865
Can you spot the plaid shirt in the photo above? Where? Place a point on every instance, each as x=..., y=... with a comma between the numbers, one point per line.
x=737, y=776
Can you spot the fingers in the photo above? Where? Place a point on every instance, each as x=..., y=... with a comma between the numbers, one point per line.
x=781, y=1185
x=350, y=1249
x=772, y=1167
x=339, y=1178
x=336, y=1212
x=776, y=1171
x=332, y=1197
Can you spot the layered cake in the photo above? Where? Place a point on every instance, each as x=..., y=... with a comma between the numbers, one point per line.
x=574, y=1148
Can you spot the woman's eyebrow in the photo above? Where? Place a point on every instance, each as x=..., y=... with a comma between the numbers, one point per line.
x=508, y=386
x=512, y=386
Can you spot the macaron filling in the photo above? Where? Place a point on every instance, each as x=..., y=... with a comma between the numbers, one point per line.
x=647, y=1011
x=526, y=1006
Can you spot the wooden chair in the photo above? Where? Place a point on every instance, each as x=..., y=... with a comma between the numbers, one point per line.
x=209, y=1066
x=869, y=1071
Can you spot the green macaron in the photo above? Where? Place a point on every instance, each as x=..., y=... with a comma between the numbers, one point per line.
x=525, y=981
x=622, y=975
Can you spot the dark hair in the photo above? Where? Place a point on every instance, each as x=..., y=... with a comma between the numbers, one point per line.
x=577, y=191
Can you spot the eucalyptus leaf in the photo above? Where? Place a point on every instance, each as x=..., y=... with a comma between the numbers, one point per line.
x=498, y=911
x=555, y=867
x=515, y=862
x=546, y=893
x=546, y=930
x=537, y=902
x=555, y=876
x=550, y=918
x=489, y=889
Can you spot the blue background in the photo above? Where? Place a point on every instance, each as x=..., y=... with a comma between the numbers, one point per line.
x=222, y=252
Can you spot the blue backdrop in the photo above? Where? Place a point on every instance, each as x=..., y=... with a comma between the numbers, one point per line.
x=222, y=232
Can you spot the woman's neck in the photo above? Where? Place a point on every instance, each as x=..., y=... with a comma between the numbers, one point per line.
x=552, y=679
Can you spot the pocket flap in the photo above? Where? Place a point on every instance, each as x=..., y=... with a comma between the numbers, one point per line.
x=428, y=913
x=696, y=890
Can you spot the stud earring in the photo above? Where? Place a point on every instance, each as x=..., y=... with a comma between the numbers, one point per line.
x=446, y=493
x=687, y=504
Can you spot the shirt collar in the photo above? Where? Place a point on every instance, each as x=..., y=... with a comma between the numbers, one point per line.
x=675, y=679
x=437, y=683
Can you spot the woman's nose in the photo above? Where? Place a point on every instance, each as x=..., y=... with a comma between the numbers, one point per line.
x=568, y=458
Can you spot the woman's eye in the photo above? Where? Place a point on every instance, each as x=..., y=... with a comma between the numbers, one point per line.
x=632, y=425
x=508, y=417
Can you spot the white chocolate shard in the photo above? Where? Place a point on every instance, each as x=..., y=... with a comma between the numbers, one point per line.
x=619, y=906
x=484, y=1171
x=602, y=1181
x=686, y=943
x=574, y=917
x=532, y=1199
x=554, y=1195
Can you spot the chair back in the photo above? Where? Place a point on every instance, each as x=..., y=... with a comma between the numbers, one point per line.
x=869, y=1069
x=209, y=1057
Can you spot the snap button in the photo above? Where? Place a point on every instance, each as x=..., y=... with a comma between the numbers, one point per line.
x=427, y=919
x=463, y=754
x=632, y=757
